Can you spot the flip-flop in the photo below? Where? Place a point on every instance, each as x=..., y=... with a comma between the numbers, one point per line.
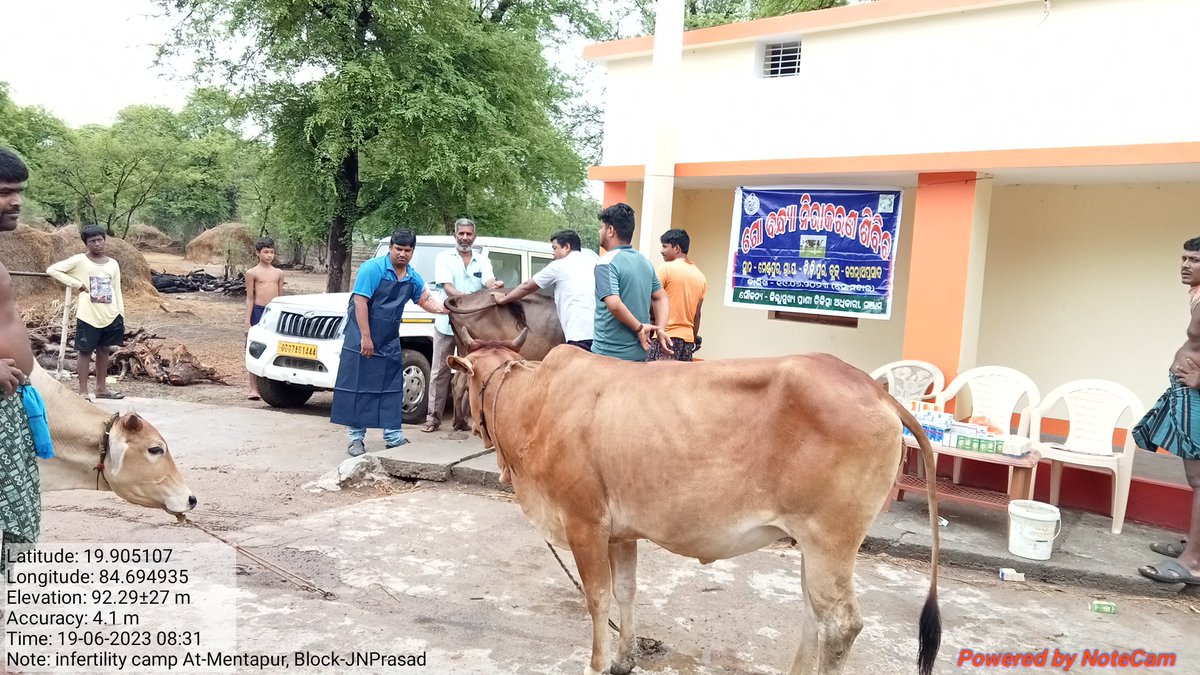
x=252, y=397
x=116, y=395
x=1170, y=572
x=1169, y=548
x=430, y=427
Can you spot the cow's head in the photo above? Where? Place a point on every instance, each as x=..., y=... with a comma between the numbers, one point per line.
x=471, y=302
x=483, y=364
x=140, y=469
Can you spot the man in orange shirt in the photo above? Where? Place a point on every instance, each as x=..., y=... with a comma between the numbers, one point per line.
x=685, y=286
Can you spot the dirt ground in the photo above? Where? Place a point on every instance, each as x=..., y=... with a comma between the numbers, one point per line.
x=210, y=324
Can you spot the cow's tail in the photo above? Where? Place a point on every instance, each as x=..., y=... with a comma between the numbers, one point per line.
x=930, y=626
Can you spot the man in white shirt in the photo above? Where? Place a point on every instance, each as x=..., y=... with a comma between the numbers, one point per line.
x=456, y=272
x=100, y=323
x=573, y=274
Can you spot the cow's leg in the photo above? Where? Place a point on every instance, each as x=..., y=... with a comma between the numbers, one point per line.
x=810, y=648
x=590, y=548
x=829, y=592
x=622, y=559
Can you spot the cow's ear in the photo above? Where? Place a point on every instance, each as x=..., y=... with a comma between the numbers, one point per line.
x=460, y=364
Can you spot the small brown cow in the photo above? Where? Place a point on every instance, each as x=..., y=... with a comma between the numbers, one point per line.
x=136, y=463
x=804, y=446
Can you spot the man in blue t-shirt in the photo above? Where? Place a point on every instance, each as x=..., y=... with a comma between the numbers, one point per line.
x=627, y=289
x=369, y=392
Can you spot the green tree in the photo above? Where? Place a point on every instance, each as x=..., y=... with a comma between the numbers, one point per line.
x=209, y=177
x=385, y=113
x=706, y=13
x=113, y=172
x=37, y=136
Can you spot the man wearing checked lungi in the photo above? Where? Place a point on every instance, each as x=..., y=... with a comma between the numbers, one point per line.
x=24, y=435
x=1173, y=423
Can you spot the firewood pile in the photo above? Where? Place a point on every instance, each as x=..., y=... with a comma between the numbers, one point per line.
x=140, y=357
x=198, y=281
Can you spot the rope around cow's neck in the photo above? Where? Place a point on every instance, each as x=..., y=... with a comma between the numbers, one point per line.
x=104, y=449
x=507, y=368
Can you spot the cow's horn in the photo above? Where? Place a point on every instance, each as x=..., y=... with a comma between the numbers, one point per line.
x=467, y=339
x=521, y=338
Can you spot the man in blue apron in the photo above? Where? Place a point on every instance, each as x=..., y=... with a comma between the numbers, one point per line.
x=369, y=392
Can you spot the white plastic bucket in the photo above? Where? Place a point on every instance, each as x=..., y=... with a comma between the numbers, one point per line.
x=1032, y=528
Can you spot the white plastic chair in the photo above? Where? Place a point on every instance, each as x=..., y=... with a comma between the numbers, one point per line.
x=995, y=393
x=911, y=380
x=1094, y=410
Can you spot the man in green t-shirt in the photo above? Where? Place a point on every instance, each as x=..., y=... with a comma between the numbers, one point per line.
x=627, y=289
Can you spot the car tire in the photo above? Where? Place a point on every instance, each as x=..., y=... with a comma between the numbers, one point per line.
x=283, y=394
x=416, y=386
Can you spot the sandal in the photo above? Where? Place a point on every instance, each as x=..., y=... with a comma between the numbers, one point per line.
x=1170, y=572
x=1169, y=548
x=111, y=394
x=431, y=427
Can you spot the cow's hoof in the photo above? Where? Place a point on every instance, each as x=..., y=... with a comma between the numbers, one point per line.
x=622, y=667
x=460, y=426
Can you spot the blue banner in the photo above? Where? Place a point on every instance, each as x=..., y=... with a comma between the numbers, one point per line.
x=818, y=251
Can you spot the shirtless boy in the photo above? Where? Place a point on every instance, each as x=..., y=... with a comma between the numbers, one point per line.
x=22, y=416
x=264, y=283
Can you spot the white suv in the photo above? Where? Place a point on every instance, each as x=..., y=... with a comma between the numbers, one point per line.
x=295, y=347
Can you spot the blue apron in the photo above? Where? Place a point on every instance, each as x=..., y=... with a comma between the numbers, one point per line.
x=369, y=393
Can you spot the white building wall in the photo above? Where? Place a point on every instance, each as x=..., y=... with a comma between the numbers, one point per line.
x=1088, y=73
x=1083, y=281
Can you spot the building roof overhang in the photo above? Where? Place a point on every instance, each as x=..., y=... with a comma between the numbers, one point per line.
x=1113, y=164
x=792, y=25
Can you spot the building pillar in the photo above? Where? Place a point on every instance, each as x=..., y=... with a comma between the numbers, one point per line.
x=945, y=286
x=659, y=189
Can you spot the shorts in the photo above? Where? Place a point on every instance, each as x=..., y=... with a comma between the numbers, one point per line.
x=683, y=351
x=88, y=338
x=256, y=314
x=585, y=345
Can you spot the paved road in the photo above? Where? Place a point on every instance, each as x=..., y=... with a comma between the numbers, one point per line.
x=458, y=574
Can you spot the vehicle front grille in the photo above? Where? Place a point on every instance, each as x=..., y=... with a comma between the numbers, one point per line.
x=316, y=328
x=300, y=364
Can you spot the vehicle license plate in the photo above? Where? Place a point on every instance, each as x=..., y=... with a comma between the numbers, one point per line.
x=298, y=349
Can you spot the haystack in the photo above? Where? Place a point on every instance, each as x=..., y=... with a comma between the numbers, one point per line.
x=148, y=238
x=28, y=250
x=228, y=244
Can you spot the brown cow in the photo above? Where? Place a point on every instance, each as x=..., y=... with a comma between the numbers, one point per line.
x=478, y=313
x=804, y=446
x=137, y=464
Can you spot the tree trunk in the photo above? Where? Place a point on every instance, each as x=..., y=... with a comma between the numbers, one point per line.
x=341, y=228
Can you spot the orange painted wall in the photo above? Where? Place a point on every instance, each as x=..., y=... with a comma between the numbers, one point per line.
x=937, y=283
x=615, y=192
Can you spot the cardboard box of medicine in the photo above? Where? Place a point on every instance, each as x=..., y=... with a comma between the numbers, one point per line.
x=1016, y=446
x=970, y=429
x=977, y=444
